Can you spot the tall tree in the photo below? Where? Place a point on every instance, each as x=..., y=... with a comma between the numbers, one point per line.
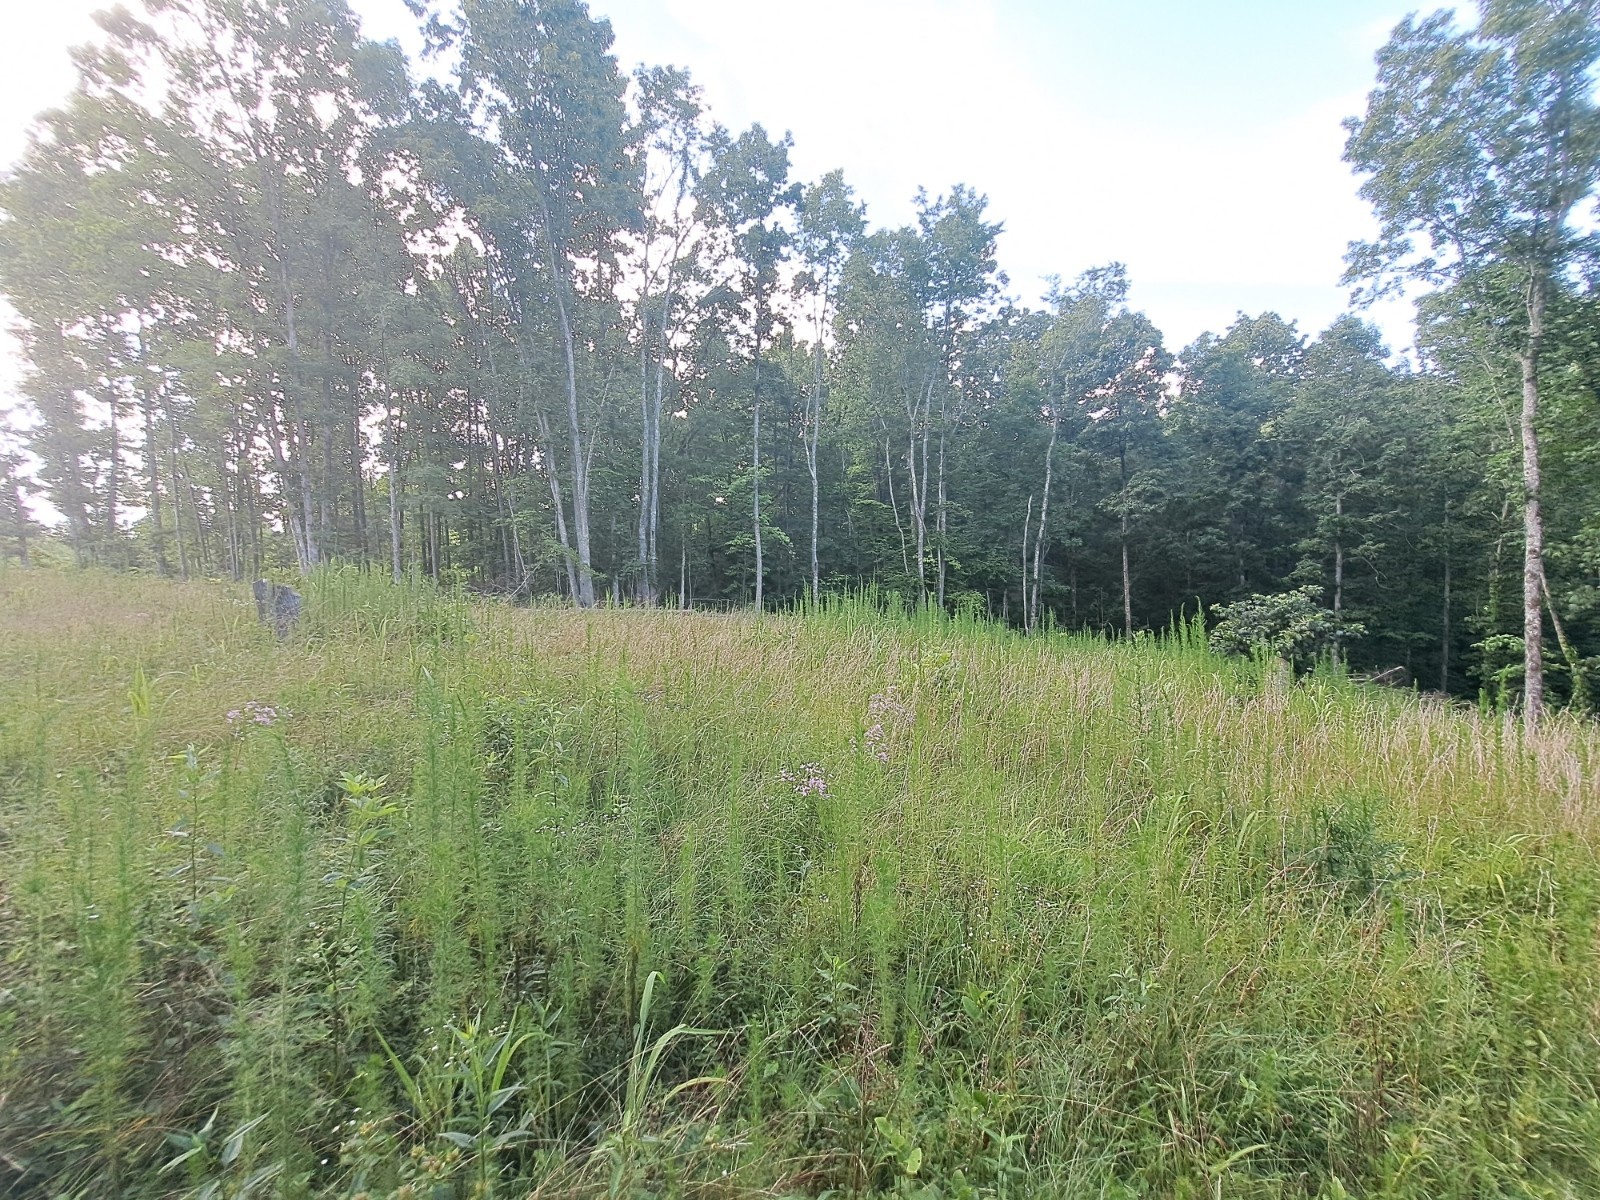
x=828, y=222
x=70, y=261
x=1225, y=503
x=1343, y=429
x=888, y=372
x=539, y=78
x=746, y=194
x=1091, y=343
x=961, y=279
x=1485, y=142
x=671, y=126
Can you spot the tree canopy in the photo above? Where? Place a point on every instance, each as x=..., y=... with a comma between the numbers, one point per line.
x=531, y=325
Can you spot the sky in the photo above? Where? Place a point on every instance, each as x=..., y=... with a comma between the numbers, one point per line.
x=1196, y=141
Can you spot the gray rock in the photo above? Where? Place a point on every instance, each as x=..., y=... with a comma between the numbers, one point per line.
x=277, y=605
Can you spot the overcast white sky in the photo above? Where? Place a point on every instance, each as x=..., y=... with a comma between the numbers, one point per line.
x=1198, y=141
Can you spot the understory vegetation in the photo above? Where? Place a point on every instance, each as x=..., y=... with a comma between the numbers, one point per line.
x=450, y=898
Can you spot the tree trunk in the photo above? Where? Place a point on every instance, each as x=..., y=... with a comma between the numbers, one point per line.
x=544, y=448
x=811, y=462
x=643, y=591
x=1338, y=579
x=888, y=467
x=849, y=519
x=1580, y=677
x=1127, y=582
x=433, y=546
x=653, y=546
x=307, y=550
x=651, y=402
x=1031, y=607
x=922, y=497
x=919, y=524
x=946, y=357
x=77, y=506
x=1532, y=518
x=560, y=507
x=173, y=473
x=233, y=495
x=327, y=495
x=580, y=465
x=113, y=475
x=311, y=553
x=1122, y=530
x=394, y=494
x=358, y=483
x=249, y=489
x=755, y=471
x=941, y=526
x=66, y=440
x=152, y=462
x=508, y=481
x=1444, y=623
x=919, y=411
x=584, y=592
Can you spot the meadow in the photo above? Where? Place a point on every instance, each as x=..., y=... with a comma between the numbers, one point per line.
x=444, y=897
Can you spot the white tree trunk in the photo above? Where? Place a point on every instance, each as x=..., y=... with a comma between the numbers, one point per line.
x=1032, y=607
x=1533, y=520
x=755, y=472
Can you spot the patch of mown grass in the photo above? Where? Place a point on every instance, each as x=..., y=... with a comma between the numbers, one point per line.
x=926, y=907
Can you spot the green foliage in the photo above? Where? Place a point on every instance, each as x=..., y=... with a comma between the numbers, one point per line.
x=1481, y=149
x=1289, y=625
x=462, y=1094
x=1040, y=915
x=207, y=1158
x=1342, y=850
x=625, y=1146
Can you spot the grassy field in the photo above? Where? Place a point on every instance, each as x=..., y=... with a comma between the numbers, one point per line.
x=447, y=898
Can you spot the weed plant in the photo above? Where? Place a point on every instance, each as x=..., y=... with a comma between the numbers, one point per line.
x=447, y=898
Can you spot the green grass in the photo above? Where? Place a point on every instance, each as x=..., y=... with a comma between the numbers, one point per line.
x=528, y=901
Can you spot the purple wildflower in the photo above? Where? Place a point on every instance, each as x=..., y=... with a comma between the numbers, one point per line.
x=255, y=712
x=888, y=713
x=878, y=742
x=808, y=780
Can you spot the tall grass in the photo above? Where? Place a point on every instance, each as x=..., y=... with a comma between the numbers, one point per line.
x=449, y=905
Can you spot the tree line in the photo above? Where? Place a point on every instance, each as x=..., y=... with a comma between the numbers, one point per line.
x=530, y=324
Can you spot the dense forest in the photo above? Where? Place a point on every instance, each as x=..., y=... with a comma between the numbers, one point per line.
x=526, y=323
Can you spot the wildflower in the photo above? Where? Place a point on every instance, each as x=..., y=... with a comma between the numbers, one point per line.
x=888, y=705
x=255, y=712
x=887, y=712
x=808, y=780
x=878, y=742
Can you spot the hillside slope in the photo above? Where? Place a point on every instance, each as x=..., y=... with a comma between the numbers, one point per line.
x=937, y=910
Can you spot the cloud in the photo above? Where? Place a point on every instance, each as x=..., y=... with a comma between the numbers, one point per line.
x=1256, y=212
